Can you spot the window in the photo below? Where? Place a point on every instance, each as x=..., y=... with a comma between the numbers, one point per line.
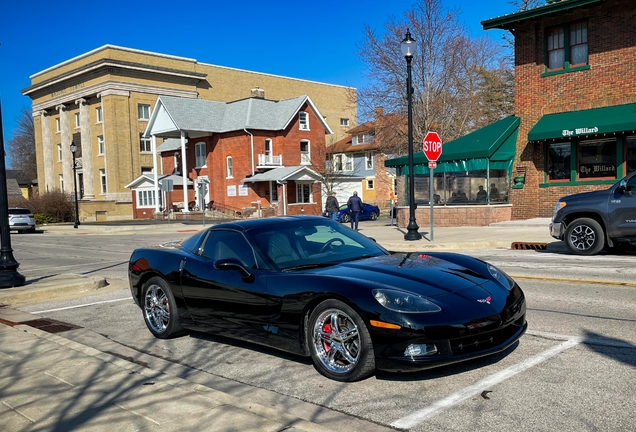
x=61, y=182
x=98, y=113
x=303, y=120
x=200, y=154
x=228, y=244
x=59, y=152
x=597, y=159
x=102, y=180
x=230, y=171
x=369, y=184
x=143, y=112
x=146, y=198
x=57, y=124
x=361, y=139
x=303, y=193
x=566, y=46
x=344, y=122
x=145, y=145
x=369, y=160
x=348, y=162
x=146, y=170
x=337, y=162
x=273, y=192
x=559, y=155
x=268, y=146
x=630, y=155
x=305, y=156
x=77, y=120
x=101, y=147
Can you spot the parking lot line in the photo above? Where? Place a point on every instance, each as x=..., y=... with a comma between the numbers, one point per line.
x=419, y=416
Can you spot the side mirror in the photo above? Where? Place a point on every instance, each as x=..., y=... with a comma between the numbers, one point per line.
x=232, y=264
x=622, y=186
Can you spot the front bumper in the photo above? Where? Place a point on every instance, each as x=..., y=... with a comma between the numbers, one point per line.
x=557, y=229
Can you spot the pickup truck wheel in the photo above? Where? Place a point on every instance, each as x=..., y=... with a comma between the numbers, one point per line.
x=584, y=237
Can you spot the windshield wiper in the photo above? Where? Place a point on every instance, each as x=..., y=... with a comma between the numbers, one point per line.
x=309, y=266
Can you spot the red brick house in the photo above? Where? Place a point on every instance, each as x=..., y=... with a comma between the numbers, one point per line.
x=248, y=154
x=575, y=93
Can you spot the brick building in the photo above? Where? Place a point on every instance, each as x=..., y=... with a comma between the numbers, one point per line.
x=102, y=101
x=247, y=155
x=575, y=93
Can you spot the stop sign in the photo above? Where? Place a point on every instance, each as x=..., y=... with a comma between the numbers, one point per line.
x=432, y=146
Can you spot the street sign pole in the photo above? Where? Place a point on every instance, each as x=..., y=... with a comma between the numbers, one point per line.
x=432, y=151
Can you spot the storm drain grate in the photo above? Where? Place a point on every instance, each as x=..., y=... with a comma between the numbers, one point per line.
x=529, y=246
x=50, y=326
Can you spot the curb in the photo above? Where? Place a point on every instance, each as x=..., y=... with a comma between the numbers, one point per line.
x=53, y=286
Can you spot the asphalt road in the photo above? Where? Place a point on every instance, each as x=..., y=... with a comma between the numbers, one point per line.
x=573, y=371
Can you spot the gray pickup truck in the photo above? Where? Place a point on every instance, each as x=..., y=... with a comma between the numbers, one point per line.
x=591, y=221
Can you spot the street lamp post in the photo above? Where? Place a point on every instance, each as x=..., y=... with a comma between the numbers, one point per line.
x=408, y=49
x=73, y=150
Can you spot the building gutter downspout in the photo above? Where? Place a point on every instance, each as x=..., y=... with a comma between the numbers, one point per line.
x=251, y=146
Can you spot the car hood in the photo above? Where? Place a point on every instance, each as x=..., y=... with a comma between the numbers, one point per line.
x=600, y=195
x=416, y=272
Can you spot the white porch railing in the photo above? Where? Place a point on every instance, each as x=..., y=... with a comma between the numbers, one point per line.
x=270, y=160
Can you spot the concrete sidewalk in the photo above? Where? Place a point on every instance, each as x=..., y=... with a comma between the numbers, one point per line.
x=49, y=383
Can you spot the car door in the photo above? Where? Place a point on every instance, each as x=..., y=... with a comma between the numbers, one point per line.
x=225, y=300
x=364, y=214
x=622, y=210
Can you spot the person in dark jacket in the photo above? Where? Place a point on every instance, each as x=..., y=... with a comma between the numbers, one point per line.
x=331, y=206
x=355, y=207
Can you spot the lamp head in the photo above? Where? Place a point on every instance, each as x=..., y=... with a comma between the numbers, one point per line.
x=73, y=147
x=409, y=47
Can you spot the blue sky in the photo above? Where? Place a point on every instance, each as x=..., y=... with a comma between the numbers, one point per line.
x=308, y=40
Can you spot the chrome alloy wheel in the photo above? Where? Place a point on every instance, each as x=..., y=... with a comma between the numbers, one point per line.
x=157, y=308
x=583, y=237
x=336, y=341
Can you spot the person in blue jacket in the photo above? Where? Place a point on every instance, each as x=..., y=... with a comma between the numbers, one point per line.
x=355, y=207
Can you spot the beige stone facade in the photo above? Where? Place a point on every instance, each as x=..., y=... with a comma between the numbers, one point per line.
x=102, y=100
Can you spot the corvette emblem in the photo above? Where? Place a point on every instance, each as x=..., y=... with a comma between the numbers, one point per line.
x=486, y=300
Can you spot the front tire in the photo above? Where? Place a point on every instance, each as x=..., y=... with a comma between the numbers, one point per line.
x=585, y=236
x=345, y=217
x=339, y=342
x=160, y=310
x=373, y=216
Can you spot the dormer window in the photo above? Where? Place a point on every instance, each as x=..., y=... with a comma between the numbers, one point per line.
x=303, y=120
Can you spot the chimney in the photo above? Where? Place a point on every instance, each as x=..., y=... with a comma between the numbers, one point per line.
x=378, y=112
x=258, y=93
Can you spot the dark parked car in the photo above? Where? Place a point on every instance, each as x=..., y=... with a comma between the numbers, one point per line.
x=310, y=286
x=21, y=220
x=369, y=212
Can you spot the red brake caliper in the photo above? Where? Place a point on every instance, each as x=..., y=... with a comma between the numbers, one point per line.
x=327, y=329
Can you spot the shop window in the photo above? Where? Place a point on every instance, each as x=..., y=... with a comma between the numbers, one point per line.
x=463, y=187
x=597, y=159
x=559, y=156
x=566, y=46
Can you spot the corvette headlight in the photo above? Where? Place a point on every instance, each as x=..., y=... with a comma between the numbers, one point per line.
x=501, y=276
x=405, y=302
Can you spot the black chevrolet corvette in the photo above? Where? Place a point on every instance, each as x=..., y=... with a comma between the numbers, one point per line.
x=313, y=287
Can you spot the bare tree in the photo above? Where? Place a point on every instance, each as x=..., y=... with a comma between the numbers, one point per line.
x=449, y=72
x=509, y=40
x=21, y=147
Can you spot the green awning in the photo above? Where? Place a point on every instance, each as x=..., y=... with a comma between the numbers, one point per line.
x=585, y=122
x=495, y=142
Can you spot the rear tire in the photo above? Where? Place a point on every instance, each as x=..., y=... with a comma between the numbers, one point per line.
x=339, y=342
x=345, y=217
x=584, y=236
x=373, y=216
x=160, y=310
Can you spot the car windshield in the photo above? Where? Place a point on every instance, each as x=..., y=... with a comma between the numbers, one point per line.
x=309, y=243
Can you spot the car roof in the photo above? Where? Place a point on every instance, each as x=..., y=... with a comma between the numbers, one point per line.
x=248, y=224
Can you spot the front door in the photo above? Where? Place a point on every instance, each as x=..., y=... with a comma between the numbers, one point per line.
x=222, y=299
x=622, y=210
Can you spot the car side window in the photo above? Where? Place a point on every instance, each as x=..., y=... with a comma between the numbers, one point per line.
x=228, y=244
x=631, y=184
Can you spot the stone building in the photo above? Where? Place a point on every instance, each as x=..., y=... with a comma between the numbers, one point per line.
x=102, y=102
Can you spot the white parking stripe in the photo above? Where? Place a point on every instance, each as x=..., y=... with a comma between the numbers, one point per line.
x=417, y=417
x=82, y=305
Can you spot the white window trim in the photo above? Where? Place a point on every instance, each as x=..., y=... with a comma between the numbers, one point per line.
x=308, y=162
x=61, y=182
x=369, y=156
x=299, y=186
x=59, y=152
x=58, y=124
x=273, y=186
x=77, y=120
x=197, y=146
x=303, y=126
x=229, y=167
x=149, y=192
x=138, y=109
x=103, y=184
x=269, y=151
x=348, y=157
x=146, y=140
x=344, y=122
x=99, y=114
x=101, y=145
x=372, y=184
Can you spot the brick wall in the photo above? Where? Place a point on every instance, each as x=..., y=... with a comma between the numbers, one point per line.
x=610, y=80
